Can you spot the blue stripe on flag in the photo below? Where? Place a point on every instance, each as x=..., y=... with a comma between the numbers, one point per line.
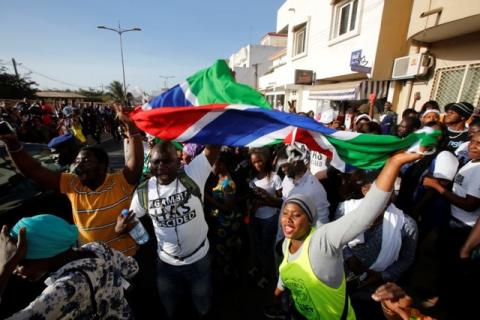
x=174, y=97
x=239, y=128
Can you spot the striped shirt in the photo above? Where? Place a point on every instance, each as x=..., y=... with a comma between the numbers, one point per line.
x=95, y=212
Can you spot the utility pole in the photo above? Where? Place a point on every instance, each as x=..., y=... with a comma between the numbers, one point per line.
x=121, y=31
x=165, y=81
x=15, y=67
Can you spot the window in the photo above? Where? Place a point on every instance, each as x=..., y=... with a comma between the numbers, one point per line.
x=345, y=18
x=299, y=39
x=300, y=42
x=459, y=83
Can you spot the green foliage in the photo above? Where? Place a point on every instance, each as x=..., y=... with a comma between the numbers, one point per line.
x=115, y=91
x=12, y=87
x=93, y=94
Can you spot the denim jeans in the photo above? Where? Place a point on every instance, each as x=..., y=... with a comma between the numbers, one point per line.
x=264, y=233
x=173, y=282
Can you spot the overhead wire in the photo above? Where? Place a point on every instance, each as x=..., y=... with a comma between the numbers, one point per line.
x=22, y=65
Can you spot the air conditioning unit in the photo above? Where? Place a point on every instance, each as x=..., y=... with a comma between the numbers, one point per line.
x=409, y=67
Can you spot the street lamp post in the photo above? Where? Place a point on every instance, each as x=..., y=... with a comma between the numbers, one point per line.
x=165, y=81
x=120, y=31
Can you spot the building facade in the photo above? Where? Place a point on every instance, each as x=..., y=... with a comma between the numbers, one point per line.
x=252, y=61
x=448, y=32
x=338, y=53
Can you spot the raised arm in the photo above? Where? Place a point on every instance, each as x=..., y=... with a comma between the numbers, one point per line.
x=10, y=254
x=134, y=161
x=345, y=229
x=28, y=166
x=389, y=173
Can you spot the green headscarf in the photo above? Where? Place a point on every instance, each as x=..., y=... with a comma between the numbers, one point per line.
x=47, y=235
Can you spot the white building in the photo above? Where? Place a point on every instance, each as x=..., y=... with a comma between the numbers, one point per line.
x=338, y=52
x=252, y=61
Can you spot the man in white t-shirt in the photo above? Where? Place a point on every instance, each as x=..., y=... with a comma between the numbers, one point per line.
x=465, y=209
x=180, y=227
x=465, y=195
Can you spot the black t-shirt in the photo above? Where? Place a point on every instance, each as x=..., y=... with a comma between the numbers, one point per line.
x=456, y=138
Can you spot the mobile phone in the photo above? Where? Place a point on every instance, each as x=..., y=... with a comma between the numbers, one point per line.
x=5, y=128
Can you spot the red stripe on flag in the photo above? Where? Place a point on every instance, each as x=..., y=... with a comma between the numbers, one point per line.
x=166, y=123
x=306, y=138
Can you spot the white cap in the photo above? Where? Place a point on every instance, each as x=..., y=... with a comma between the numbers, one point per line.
x=430, y=111
x=362, y=116
x=446, y=165
x=327, y=116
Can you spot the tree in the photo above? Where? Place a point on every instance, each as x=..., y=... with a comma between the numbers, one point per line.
x=92, y=94
x=115, y=91
x=13, y=87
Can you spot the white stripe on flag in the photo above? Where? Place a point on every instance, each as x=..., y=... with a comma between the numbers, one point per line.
x=189, y=94
x=198, y=126
x=241, y=107
x=336, y=161
x=271, y=137
x=345, y=135
x=146, y=106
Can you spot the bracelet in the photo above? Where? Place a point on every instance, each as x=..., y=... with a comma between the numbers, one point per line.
x=16, y=150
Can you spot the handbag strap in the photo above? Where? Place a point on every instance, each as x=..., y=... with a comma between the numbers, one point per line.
x=93, y=301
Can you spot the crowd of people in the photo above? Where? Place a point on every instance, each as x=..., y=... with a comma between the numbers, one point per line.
x=331, y=244
x=39, y=122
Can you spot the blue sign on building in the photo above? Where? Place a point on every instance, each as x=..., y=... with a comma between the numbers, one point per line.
x=358, y=62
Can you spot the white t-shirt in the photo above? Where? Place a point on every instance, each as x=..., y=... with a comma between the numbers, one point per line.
x=467, y=182
x=270, y=184
x=462, y=152
x=310, y=186
x=318, y=162
x=177, y=216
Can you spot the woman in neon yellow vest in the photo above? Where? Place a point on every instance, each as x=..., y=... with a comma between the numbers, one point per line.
x=312, y=268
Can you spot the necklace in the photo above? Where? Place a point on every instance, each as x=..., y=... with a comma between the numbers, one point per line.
x=454, y=131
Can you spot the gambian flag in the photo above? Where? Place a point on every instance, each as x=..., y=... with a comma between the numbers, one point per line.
x=251, y=126
x=208, y=86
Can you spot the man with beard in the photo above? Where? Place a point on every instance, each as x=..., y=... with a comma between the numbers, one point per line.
x=173, y=199
x=97, y=197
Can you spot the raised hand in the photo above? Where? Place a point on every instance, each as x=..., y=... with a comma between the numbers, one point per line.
x=12, y=253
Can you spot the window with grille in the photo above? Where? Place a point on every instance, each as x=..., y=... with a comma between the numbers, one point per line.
x=459, y=83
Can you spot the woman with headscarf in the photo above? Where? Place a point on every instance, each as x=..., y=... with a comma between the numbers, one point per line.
x=312, y=268
x=84, y=283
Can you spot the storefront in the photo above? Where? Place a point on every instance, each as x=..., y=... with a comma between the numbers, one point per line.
x=342, y=96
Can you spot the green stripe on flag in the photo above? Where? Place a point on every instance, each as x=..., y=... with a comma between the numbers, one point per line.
x=369, y=151
x=217, y=85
